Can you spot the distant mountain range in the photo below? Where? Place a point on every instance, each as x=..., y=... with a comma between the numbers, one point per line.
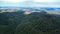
x=46, y=8
x=51, y=8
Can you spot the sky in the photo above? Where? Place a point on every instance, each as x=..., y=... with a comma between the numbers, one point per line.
x=30, y=3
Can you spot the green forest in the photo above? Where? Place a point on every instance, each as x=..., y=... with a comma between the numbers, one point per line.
x=34, y=23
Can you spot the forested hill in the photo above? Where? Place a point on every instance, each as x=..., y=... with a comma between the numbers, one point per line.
x=34, y=23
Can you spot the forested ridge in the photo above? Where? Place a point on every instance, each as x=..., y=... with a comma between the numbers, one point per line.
x=34, y=23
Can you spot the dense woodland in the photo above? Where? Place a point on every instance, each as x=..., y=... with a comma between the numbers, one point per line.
x=34, y=23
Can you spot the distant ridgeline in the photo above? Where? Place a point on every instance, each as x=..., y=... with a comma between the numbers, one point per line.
x=47, y=8
x=51, y=8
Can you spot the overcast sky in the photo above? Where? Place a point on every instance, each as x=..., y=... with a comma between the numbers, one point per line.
x=30, y=3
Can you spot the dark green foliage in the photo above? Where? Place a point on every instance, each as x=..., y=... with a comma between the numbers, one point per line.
x=35, y=23
x=39, y=24
x=11, y=20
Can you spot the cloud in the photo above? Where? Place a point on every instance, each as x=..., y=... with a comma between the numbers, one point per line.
x=31, y=3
